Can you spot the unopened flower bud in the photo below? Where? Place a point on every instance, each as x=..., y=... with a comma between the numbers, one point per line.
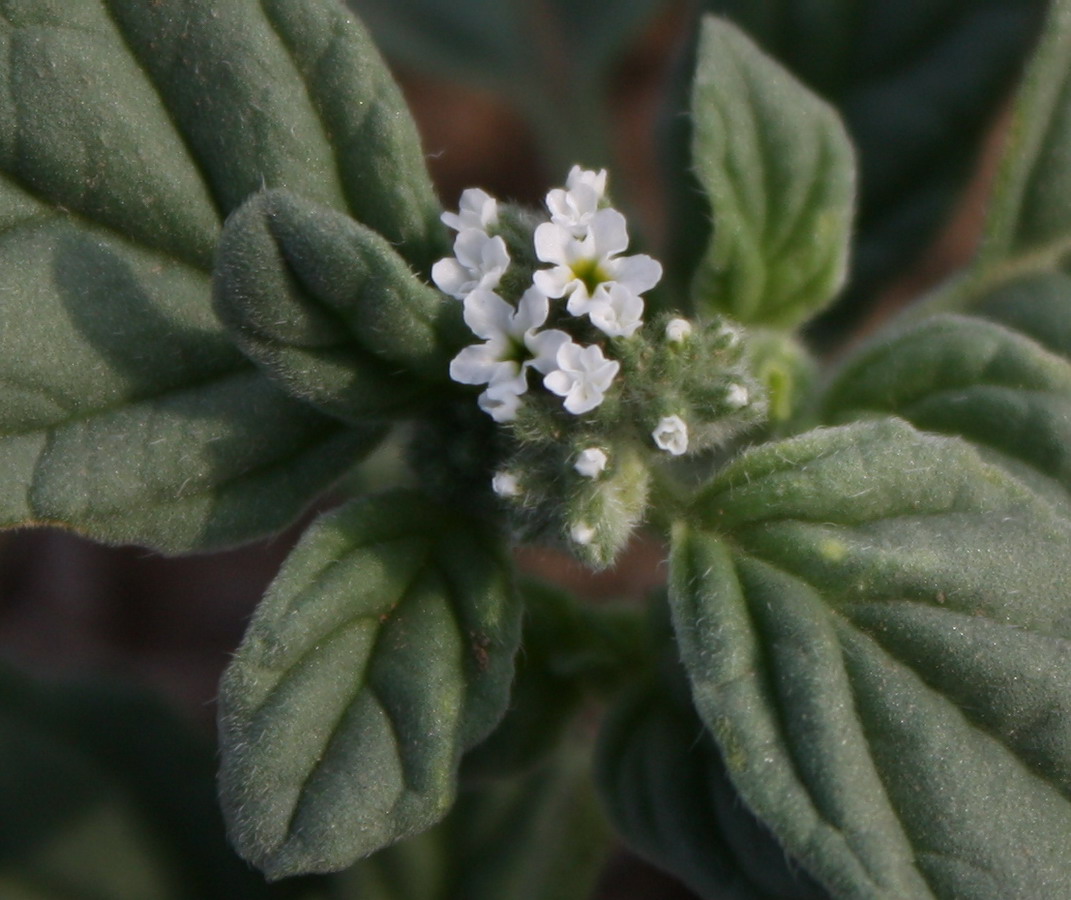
x=678, y=330
x=505, y=484
x=582, y=533
x=671, y=435
x=591, y=462
x=737, y=396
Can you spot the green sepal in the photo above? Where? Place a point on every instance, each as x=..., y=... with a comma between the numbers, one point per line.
x=329, y=309
x=875, y=624
x=383, y=649
x=778, y=172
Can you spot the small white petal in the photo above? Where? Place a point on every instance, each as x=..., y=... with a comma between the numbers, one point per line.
x=482, y=364
x=589, y=178
x=678, y=330
x=554, y=282
x=582, y=377
x=532, y=311
x=476, y=209
x=554, y=244
x=591, y=462
x=638, y=273
x=544, y=347
x=609, y=233
x=671, y=435
x=452, y=278
x=488, y=315
x=737, y=396
x=582, y=533
x=505, y=484
x=620, y=315
x=501, y=401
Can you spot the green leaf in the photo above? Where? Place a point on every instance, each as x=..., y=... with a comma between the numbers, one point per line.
x=999, y=388
x=918, y=85
x=877, y=627
x=666, y=790
x=115, y=174
x=328, y=308
x=570, y=650
x=779, y=173
x=540, y=836
x=1028, y=215
x=106, y=794
x=382, y=650
x=1028, y=228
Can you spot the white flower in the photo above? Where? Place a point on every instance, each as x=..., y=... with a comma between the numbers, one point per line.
x=671, y=435
x=479, y=262
x=505, y=484
x=585, y=267
x=678, y=330
x=582, y=377
x=591, y=462
x=573, y=207
x=476, y=209
x=582, y=533
x=511, y=345
x=620, y=314
x=502, y=399
x=737, y=396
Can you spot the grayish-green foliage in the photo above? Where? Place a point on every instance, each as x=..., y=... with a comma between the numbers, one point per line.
x=876, y=625
x=216, y=226
x=329, y=309
x=777, y=169
x=666, y=790
x=130, y=131
x=382, y=650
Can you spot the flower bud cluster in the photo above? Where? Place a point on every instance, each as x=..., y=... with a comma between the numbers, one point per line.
x=590, y=396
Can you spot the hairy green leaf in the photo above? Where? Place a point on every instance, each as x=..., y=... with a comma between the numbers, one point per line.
x=128, y=132
x=382, y=650
x=976, y=378
x=918, y=85
x=1028, y=228
x=329, y=309
x=570, y=649
x=877, y=627
x=667, y=792
x=1029, y=214
x=779, y=174
x=540, y=836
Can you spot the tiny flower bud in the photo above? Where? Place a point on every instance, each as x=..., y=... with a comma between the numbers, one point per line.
x=582, y=533
x=728, y=336
x=737, y=396
x=591, y=462
x=671, y=435
x=505, y=484
x=678, y=330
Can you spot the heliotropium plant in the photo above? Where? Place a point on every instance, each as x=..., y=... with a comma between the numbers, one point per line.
x=228, y=280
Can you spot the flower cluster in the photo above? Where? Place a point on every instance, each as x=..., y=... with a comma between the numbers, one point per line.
x=594, y=393
x=582, y=242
